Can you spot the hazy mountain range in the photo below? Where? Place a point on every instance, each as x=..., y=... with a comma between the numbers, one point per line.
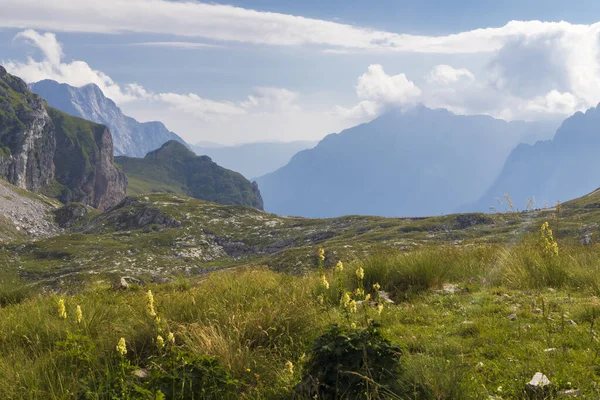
x=404, y=163
x=253, y=159
x=130, y=137
x=563, y=168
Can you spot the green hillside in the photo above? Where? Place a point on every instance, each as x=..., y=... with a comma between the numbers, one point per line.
x=175, y=169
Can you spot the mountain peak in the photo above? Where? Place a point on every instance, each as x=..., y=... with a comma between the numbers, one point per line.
x=173, y=149
x=130, y=137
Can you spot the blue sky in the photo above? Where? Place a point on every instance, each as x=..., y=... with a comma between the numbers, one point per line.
x=274, y=70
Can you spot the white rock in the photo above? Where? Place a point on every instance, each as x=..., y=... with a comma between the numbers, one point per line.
x=539, y=380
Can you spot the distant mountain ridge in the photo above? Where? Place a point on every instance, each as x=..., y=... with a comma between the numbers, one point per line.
x=416, y=162
x=253, y=159
x=559, y=169
x=176, y=169
x=47, y=151
x=130, y=137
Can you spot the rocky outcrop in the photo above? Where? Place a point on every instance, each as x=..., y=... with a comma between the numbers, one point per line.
x=131, y=138
x=70, y=215
x=27, y=139
x=45, y=150
x=260, y=204
x=130, y=214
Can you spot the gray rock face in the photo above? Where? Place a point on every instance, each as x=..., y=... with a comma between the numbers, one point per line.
x=130, y=137
x=27, y=138
x=45, y=150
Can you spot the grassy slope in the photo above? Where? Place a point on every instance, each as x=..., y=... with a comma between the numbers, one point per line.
x=455, y=279
x=214, y=235
x=175, y=169
x=457, y=343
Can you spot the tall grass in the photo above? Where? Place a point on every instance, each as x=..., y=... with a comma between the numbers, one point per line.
x=254, y=323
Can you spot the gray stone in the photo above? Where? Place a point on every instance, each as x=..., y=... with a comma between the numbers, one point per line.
x=512, y=317
x=569, y=393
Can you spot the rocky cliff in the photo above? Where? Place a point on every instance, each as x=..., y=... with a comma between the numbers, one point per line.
x=44, y=150
x=131, y=138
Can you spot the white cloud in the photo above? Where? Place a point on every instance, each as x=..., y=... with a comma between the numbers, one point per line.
x=75, y=73
x=444, y=74
x=268, y=113
x=227, y=23
x=379, y=91
x=270, y=99
x=178, y=45
x=375, y=85
x=554, y=102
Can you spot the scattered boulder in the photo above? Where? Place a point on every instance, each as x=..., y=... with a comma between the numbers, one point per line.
x=125, y=281
x=587, y=239
x=69, y=215
x=539, y=386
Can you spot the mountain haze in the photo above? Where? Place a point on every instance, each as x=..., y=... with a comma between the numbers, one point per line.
x=254, y=159
x=176, y=169
x=562, y=168
x=130, y=137
x=405, y=163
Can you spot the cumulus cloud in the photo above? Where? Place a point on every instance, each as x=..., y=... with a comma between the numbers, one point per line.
x=379, y=91
x=445, y=74
x=75, y=73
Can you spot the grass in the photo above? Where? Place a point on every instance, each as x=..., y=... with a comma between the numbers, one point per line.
x=242, y=326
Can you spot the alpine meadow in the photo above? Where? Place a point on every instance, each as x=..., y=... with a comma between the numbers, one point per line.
x=299, y=200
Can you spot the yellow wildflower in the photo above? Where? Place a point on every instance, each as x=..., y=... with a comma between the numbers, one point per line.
x=368, y=297
x=549, y=245
x=171, y=338
x=359, y=292
x=62, y=311
x=122, y=347
x=360, y=273
x=324, y=282
x=352, y=306
x=289, y=368
x=347, y=302
x=160, y=342
x=150, y=300
x=379, y=308
x=353, y=325
x=376, y=287
x=339, y=267
x=78, y=314
x=321, y=254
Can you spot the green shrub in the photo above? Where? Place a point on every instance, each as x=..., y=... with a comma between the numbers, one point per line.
x=351, y=364
x=185, y=376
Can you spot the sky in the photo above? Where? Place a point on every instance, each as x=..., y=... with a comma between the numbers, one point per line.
x=274, y=70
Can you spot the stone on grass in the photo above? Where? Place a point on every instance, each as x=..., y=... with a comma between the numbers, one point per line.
x=512, y=317
x=569, y=393
x=538, y=386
